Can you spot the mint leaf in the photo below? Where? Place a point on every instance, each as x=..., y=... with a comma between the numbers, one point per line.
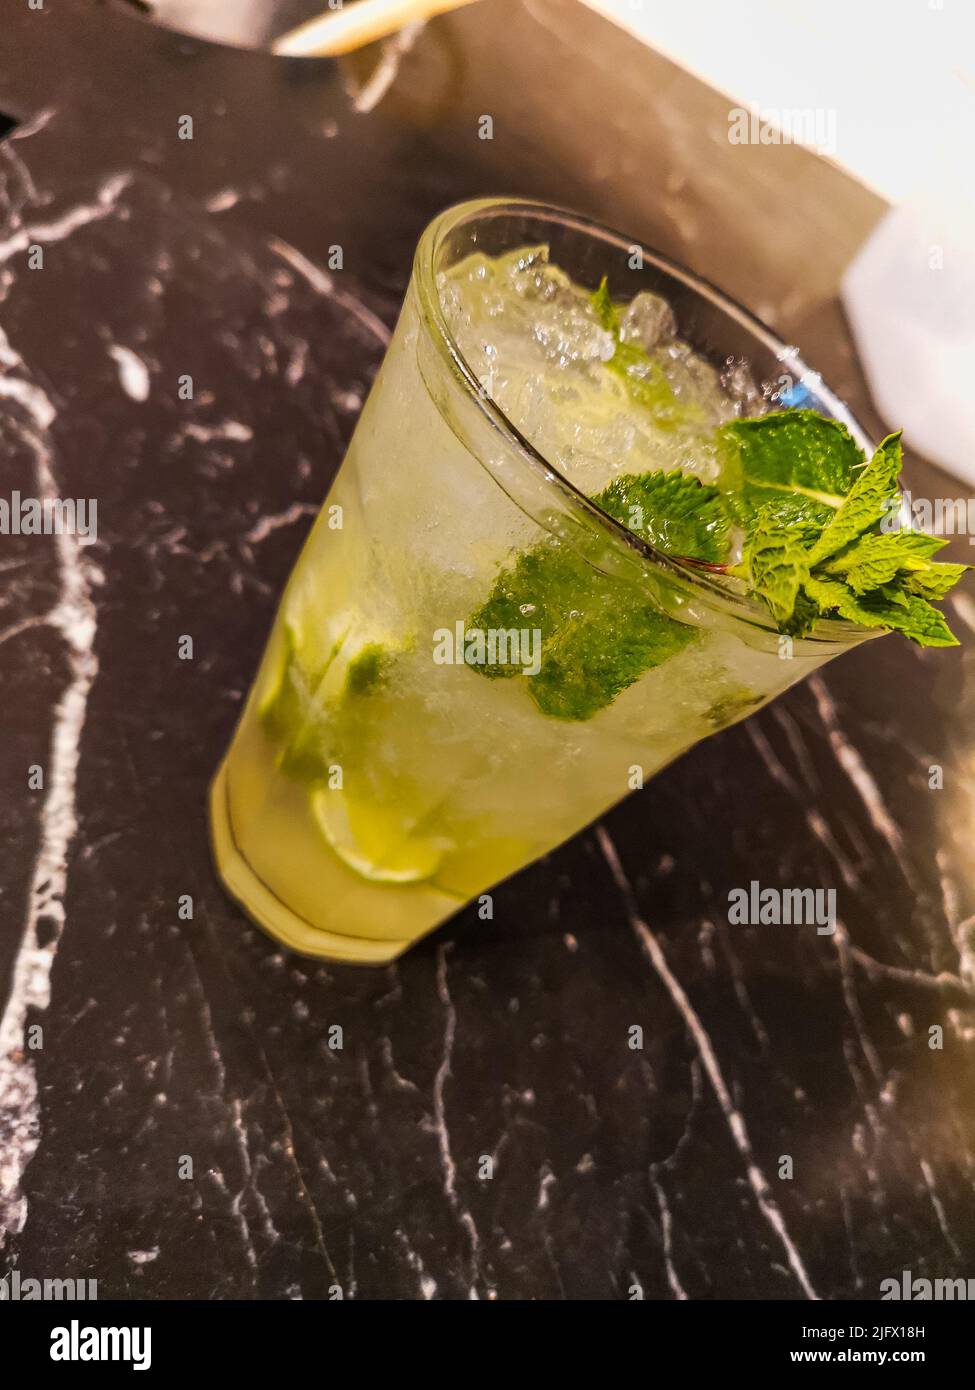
x=866, y=503
x=891, y=593
x=589, y=660
x=935, y=580
x=675, y=512
x=901, y=612
x=602, y=302
x=775, y=562
x=875, y=559
x=804, y=617
x=597, y=637
x=303, y=716
x=796, y=462
x=648, y=386
x=367, y=671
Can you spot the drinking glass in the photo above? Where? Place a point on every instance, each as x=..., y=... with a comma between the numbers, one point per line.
x=377, y=781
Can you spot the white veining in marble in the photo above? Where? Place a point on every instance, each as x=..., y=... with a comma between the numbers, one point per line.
x=74, y=617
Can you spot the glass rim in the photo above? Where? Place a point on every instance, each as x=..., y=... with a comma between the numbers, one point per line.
x=743, y=607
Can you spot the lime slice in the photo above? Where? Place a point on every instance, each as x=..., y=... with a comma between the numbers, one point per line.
x=376, y=841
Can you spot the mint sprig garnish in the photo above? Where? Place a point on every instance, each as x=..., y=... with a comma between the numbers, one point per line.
x=811, y=553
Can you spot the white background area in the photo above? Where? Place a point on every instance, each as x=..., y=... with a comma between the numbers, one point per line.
x=899, y=74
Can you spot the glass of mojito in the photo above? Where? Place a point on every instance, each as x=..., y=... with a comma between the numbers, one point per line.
x=592, y=512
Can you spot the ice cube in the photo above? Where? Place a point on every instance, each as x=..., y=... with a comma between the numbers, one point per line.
x=571, y=333
x=738, y=384
x=647, y=321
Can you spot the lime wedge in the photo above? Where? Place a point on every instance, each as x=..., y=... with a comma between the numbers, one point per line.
x=376, y=841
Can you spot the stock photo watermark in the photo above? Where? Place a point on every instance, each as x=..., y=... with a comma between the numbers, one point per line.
x=814, y=126
x=49, y=516
x=938, y=516
x=78, y=1343
x=756, y=906
x=910, y=1290
x=491, y=646
x=14, y=1288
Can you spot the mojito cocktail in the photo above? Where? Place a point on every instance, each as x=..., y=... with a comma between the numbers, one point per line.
x=572, y=535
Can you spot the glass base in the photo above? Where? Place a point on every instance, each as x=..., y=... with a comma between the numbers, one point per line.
x=269, y=912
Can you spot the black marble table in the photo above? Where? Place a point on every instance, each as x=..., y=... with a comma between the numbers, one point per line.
x=134, y=1036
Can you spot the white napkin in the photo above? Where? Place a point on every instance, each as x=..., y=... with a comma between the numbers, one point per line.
x=910, y=296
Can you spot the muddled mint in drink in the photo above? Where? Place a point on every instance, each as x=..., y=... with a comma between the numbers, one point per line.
x=599, y=634
x=597, y=638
